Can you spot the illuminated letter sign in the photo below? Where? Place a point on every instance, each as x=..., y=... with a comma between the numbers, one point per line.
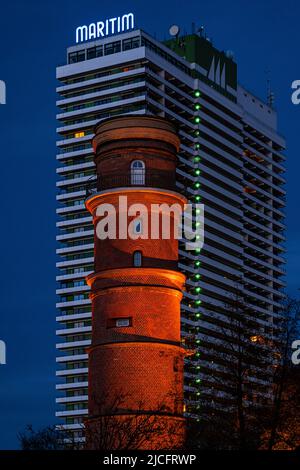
x=2, y=352
x=2, y=92
x=105, y=28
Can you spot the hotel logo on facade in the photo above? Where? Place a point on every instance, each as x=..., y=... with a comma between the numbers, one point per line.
x=102, y=29
x=2, y=353
x=2, y=92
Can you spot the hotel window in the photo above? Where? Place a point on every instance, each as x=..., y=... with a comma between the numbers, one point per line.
x=77, y=56
x=112, y=48
x=79, y=134
x=94, y=52
x=79, y=283
x=79, y=297
x=138, y=172
x=131, y=43
x=78, y=202
x=78, y=270
x=137, y=259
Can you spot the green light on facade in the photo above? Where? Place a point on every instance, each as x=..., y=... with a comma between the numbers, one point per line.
x=197, y=290
x=197, y=302
x=197, y=133
x=197, y=119
x=197, y=276
x=197, y=106
x=197, y=93
x=197, y=185
x=197, y=146
x=197, y=264
x=198, y=381
x=197, y=159
x=197, y=198
x=197, y=172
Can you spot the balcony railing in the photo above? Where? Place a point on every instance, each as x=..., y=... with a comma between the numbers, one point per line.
x=147, y=178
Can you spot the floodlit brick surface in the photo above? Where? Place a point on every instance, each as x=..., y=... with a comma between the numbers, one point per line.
x=150, y=375
x=136, y=370
x=158, y=319
x=119, y=253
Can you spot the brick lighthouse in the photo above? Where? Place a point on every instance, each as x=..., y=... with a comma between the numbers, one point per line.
x=135, y=359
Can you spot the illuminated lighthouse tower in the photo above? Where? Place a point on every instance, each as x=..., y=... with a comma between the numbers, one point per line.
x=135, y=360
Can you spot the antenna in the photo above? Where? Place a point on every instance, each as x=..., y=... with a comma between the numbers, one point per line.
x=270, y=93
x=201, y=31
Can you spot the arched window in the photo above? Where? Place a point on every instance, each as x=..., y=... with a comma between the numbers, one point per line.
x=138, y=173
x=137, y=259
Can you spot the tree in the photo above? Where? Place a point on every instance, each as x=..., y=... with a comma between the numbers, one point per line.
x=117, y=428
x=282, y=428
x=286, y=434
x=241, y=378
x=48, y=438
x=255, y=370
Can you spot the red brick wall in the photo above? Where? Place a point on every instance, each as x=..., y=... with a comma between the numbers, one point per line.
x=142, y=362
x=119, y=253
x=158, y=319
x=150, y=375
x=119, y=161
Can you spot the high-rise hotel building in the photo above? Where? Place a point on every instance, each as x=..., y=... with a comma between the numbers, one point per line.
x=230, y=160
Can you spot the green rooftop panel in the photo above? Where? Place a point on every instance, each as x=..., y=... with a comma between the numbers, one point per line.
x=219, y=69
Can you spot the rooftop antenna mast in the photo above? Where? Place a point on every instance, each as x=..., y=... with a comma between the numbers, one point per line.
x=270, y=93
x=201, y=31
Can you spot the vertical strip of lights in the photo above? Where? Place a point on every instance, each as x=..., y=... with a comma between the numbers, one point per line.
x=197, y=262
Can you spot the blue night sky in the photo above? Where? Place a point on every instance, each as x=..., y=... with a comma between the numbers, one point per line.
x=33, y=39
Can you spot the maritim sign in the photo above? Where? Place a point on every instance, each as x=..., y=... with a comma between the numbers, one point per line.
x=101, y=29
x=2, y=352
x=2, y=92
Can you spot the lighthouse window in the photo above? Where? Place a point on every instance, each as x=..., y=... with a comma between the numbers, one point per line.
x=121, y=322
x=137, y=259
x=138, y=172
